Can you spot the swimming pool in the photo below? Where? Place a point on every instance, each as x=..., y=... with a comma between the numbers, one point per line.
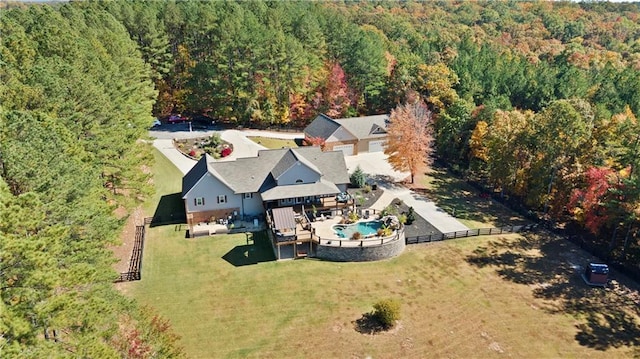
x=365, y=228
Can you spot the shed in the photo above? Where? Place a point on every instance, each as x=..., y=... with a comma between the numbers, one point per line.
x=596, y=274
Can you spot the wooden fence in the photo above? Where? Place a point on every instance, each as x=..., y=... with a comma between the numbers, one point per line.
x=468, y=233
x=135, y=263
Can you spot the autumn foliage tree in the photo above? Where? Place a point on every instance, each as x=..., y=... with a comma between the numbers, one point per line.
x=314, y=141
x=410, y=137
x=589, y=204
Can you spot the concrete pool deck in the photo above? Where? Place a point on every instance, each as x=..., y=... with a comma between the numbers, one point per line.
x=324, y=229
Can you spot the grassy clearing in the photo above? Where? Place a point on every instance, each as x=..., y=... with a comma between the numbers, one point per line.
x=478, y=297
x=465, y=203
x=273, y=143
x=457, y=301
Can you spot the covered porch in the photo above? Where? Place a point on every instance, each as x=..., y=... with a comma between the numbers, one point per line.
x=291, y=233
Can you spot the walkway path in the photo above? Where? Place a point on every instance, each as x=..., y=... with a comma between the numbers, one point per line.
x=167, y=148
x=440, y=219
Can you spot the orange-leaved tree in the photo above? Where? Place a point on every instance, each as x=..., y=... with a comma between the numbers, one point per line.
x=410, y=139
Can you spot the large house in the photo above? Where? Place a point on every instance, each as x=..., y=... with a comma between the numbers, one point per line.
x=350, y=135
x=249, y=186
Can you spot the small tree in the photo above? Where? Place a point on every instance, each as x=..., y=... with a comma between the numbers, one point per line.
x=411, y=216
x=410, y=137
x=358, y=178
x=314, y=141
x=387, y=312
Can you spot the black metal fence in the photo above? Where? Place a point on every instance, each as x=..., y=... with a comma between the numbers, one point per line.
x=135, y=263
x=468, y=233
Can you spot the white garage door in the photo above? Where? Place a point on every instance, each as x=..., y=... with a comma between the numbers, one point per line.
x=376, y=146
x=347, y=150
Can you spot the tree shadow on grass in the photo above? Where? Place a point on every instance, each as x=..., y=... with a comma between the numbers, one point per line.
x=551, y=266
x=257, y=250
x=463, y=201
x=368, y=324
x=170, y=210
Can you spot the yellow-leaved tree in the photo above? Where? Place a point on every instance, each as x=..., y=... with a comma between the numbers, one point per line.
x=410, y=139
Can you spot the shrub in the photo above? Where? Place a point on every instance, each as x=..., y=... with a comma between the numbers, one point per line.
x=356, y=235
x=402, y=218
x=353, y=216
x=367, y=188
x=387, y=311
x=215, y=140
x=384, y=232
x=226, y=151
x=357, y=178
x=411, y=216
x=390, y=210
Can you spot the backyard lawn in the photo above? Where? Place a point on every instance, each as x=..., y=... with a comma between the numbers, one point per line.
x=273, y=143
x=468, y=298
x=509, y=296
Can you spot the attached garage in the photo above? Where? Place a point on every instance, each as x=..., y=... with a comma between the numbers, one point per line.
x=347, y=150
x=377, y=146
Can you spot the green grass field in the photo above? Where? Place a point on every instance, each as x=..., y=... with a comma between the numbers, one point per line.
x=483, y=297
x=273, y=143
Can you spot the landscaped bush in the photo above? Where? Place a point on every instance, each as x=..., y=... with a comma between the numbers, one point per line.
x=357, y=178
x=411, y=216
x=212, y=145
x=356, y=235
x=387, y=312
x=353, y=217
x=367, y=188
x=389, y=210
x=402, y=218
x=384, y=232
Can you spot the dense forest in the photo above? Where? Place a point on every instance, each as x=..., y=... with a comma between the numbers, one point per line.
x=75, y=98
x=537, y=99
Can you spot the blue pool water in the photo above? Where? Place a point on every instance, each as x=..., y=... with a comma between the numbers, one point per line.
x=365, y=228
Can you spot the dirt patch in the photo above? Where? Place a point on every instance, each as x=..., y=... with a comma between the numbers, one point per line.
x=122, y=252
x=419, y=227
x=365, y=199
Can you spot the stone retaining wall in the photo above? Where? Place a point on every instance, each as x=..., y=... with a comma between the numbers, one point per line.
x=362, y=254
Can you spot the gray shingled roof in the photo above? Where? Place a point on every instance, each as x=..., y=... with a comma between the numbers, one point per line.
x=364, y=127
x=322, y=126
x=254, y=174
x=193, y=176
x=288, y=160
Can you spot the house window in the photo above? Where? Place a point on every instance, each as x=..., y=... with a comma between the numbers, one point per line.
x=248, y=195
x=198, y=201
x=222, y=198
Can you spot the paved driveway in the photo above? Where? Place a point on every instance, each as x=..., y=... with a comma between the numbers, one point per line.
x=375, y=164
x=242, y=146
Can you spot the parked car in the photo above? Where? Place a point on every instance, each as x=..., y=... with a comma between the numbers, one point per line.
x=156, y=123
x=202, y=121
x=176, y=119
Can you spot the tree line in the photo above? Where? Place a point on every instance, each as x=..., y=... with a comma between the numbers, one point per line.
x=75, y=98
